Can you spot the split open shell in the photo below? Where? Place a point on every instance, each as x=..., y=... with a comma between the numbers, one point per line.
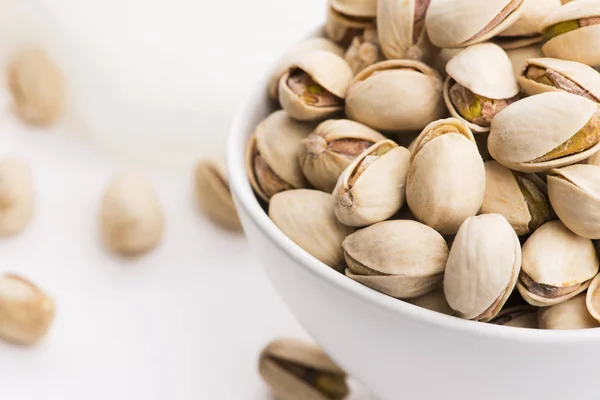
x=524, y=31
x=571, y=314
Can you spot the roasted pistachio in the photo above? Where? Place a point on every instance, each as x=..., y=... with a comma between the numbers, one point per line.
x=519, y=317
x=295, y=370
x=483, y=267
x=524, y=31
x=434, y=301
x=571, y=314
x=326, y=152
x=364, y=51
x=404, y=259
x=557, y=265
x=343, y=28
x=17, y=195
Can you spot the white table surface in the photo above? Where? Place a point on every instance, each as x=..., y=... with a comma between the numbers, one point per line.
x=188, y=320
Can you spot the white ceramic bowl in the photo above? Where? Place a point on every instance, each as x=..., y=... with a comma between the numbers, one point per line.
x=397, y=350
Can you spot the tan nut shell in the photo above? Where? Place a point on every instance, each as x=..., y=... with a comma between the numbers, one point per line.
x=442, y=58
x=534, y=13
x=390, y=96
x=407, y=257
x=593, y=298
x=483, y=267
x=395, y=25
x=571, y=314
x=342, y=28
x=296, y=50
x=434, y=301
x=485, y=70
x=17, y=196
x=378, y=193
x=323, y=167
x=356, y=8
x=307, y=218
x=330, y=71
x=277, y=139
x=574, y=193
x=364, y=51
x=580, y=44
x=585, y=76
x=555, y=256
x=532, y=127
x=446, y=178
x=518, y=57
x=454, y=23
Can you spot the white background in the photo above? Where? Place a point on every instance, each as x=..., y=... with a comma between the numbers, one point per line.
x=153, y=85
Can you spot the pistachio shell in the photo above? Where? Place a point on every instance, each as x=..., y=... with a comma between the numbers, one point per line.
x=519, y=56
x=442, y=58
x=518, y=317
x=535, y=126
x=364, y=51
x=343, y=28
x=593, y=298
x=329, y=71
x=434, y=301
x=17, y=196
x=557, y=265
x=534, y=13
x=461, y=23
x=483, y=267
x=326, y=152
x=287, y=60
x=372, y=188
x=571, y=314
x=575, y=196
x=579, y=44
x=403, y=259
x=384, y=96
x=446, y=178
x=357, y=8
x=307, y=218
x=277, y=140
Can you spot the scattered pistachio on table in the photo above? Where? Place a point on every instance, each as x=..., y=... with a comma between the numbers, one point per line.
x=17, y=195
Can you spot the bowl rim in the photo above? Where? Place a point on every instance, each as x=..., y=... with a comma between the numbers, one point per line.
x=246, y=199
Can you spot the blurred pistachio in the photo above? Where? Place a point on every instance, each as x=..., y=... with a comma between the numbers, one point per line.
x=571, y=314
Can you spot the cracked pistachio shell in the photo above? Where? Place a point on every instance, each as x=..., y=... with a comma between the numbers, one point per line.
x=17, y=196
x=534, y=13
x=396, y=95
x=343, y=28
x=557, y=265
x=307, y=218
x=580, y=44
x=446, y=177
x=356, y=8
x=485, y=70
x=533, y=127
x=504, y=196
x=277, y=141
x=364, y=51
x=593, y=298
x=326, y=152
x=518, y=317
x=434, y=301
x=461, y=23
x=297, y=370
x=518, y=57
x=571, y=314
x=26, y=312
x=400, y=34
x=372, y=188
x=483, y=267
x=331, y=72
x=287, y=60
x=404, y=259
x=574, y=192
x=582, y=79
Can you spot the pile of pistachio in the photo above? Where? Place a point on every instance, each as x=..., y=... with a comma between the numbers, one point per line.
x=445, y=153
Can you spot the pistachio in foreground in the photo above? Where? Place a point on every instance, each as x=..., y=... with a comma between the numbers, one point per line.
x=295, y=369
x=17, y=196
x=364, y=51
x=518, y=317
x=483, y=267
x=571, y=314
x=403, y=259
x=26, y=312
x=557, y=265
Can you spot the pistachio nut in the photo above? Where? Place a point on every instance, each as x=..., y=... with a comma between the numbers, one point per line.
x=572, y=32
x=480, y=84
x=594, y=159
x=593, y=298
x=213, y=194
x=287, y=60
x=315, y=85
x=326, y=152
x=518, y=57
x=373, y=187
x=26, y=312
x=483, y=267
x=37, y=86
x=520, y=198
x=434, y=301
x=545, y=131
x=403, y=259
x=519, y=317
x=364, y=51
x=571, y=314
x=296, y=370
x=557, y=265
x=396, y=95
x=307, y=218
x=342, y=28
x=446, y=177
x=574, y=192
x=550, y=74
x=401, y=27
x=524, y=31
x=357, y=8
x=17, y=196
x=461, y=23
x=272, y=155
